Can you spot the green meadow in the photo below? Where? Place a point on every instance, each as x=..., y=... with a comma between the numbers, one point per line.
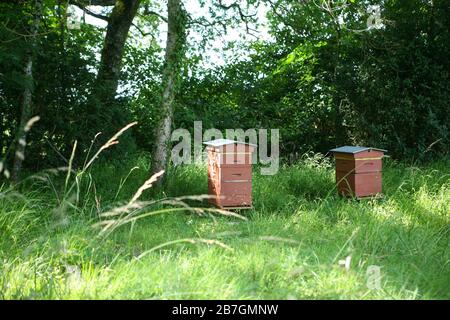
x=73, y=236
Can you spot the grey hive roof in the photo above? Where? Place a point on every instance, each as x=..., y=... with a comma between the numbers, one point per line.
x=354, y=149
x=223, y=142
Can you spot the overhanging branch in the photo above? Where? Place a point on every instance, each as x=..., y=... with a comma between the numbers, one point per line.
x=103, y=3
x=244, y=17
x=148, y=12
x=89, y=12
x=235, y=5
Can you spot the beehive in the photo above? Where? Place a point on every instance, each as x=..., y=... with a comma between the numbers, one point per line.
x=358, y=171
x=230, y=173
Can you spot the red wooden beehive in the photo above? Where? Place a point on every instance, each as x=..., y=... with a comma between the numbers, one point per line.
x=358, y=171
x=230, y=173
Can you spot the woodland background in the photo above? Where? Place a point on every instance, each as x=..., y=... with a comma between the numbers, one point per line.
x=323, y=78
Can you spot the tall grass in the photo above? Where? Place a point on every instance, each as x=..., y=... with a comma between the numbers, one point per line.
x=110, y=237
x=74, y=202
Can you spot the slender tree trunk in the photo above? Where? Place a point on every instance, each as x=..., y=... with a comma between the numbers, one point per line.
x=340, y=133
x=27, y=94
x=176, y=38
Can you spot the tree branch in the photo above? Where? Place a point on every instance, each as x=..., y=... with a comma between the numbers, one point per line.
x=142, y=32
x=89, y=12
x=236, y=6
x=103, y=3
x=206, y=23
x=244, y=17
x=148, y=12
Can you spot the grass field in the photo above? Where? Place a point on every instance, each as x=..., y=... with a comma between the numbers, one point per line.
x=289, y=246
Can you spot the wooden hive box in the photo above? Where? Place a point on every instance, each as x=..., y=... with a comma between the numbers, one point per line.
x=358, y=171
x=230, y=173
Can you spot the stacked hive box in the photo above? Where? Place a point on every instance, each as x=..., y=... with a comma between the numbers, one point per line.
x=230, y=173
x=358, y=171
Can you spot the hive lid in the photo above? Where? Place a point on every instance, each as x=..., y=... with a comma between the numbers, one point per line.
x=223, y=142
x=354, y=149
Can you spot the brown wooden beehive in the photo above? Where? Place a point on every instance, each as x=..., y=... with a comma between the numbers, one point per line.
x=230, y=173
x=358, y=171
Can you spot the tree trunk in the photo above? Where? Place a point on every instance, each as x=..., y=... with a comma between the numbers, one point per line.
x=27, y=94
x=176, y=38
x=101, y=113
x=119, y=23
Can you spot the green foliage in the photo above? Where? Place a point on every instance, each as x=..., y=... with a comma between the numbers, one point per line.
x=403, y=101
x=320, y=81
x=325, y=83
x=64, y=77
